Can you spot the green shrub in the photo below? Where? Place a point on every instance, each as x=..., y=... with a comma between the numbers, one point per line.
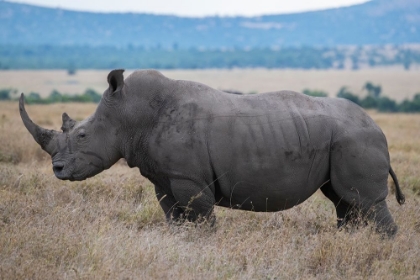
x=386, y=104
x=345, y=93
x=92, y=96
x=34, y=98
x=383, y=104
x=315, y=93
x=56, y=97
x=6, y=94
x=373, y=91
x=369, y=102
x=408, y=106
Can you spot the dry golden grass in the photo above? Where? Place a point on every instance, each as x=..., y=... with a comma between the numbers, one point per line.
x=396, y=82
x=111, y=227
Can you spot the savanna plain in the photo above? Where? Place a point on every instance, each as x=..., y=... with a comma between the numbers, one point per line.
x=111, y=226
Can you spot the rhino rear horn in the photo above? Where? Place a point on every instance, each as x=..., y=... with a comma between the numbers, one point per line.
x=115, y=81
x=41, y=135
x=68, y=123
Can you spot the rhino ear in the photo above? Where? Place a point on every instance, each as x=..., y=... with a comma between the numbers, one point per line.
x=115, y=81
x=68, y=123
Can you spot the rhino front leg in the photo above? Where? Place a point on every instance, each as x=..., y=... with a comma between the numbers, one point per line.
x=169, y=205
x=196, y=201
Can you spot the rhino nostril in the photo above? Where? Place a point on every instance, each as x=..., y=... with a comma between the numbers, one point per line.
x=58, y=167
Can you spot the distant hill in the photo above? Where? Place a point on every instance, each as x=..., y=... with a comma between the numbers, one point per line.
x=376, y=22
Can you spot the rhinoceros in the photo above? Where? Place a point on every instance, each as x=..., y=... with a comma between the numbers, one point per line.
x=202, y=147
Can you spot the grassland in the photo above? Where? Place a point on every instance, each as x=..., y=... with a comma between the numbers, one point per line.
x=396, y=83
x=111, y=227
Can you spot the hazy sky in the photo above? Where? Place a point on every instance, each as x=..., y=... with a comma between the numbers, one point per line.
x=195, y=7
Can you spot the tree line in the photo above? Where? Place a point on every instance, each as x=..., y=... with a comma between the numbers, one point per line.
x=136, y=57
x=89, y=96
x=372, y=100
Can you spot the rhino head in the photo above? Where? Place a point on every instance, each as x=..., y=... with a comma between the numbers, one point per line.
x=84, y=148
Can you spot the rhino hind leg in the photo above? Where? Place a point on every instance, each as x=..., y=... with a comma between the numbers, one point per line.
x=359, y=173
x=355, y=215
x=379, y=213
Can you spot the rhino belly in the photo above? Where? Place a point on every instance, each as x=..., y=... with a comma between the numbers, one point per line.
x=272, y=190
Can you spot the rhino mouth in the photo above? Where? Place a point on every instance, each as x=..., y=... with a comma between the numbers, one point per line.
x=63, y=174
x=67, y=171
x=58, y=167
x=60, y=170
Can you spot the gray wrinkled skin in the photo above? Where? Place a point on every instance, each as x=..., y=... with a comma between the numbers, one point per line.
x=201, y=147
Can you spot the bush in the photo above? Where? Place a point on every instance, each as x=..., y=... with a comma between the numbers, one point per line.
x=92, y=96
x=382, y=104
x=56, y=97
x=315, y=93
x=369, y=102
x=386, y=104
x=34, y=98
x=373, y=91
x=408, y=106
x=5, y=94
x=345, y=93
x=71, y=71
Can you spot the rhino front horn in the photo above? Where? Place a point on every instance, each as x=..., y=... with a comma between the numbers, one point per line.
x=41, y=135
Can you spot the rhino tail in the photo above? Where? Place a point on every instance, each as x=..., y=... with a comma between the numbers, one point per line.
x=398, y=193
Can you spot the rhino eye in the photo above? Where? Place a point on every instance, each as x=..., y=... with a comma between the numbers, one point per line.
x=81, y=135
